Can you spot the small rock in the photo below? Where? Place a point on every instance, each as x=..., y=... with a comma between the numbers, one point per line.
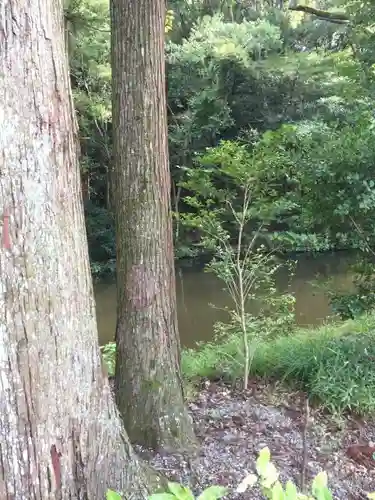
x=230, y=438
x=238, y=420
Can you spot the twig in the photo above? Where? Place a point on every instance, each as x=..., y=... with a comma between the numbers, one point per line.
x=304, y=444
x=362, y=235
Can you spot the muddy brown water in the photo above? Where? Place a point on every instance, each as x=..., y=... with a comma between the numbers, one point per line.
x=197, y=291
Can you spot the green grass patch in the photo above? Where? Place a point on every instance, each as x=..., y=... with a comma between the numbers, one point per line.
x=335, y=363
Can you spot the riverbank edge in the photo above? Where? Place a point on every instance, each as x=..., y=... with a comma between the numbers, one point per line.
x=106, y=273
x=333, y=363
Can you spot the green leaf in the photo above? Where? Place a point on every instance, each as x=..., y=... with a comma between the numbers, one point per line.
x=319, y=487
x=213, y=493
x=277, y=491
x=113, y=495
x=180, y=492
x=270, y=476
x=371, y=496
x=291, y=492
x=320, y=482
x=325, y=495
x=263, y=461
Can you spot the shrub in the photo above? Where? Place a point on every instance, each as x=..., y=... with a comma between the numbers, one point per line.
x=353, y=303
x=109, y=357
x=245, y=266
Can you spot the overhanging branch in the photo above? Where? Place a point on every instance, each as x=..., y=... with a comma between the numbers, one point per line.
x=333, y=17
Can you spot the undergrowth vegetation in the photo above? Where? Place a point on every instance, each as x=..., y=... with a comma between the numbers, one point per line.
x=333, y=363
x=267, y=478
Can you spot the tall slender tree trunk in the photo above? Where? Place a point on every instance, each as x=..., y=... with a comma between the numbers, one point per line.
x=60, y=434
x=148, y=381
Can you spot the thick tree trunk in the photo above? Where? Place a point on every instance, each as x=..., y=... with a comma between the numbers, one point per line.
x=60, y=433
x=148, y=382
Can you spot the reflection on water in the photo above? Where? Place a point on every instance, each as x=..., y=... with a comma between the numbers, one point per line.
x=196, y=290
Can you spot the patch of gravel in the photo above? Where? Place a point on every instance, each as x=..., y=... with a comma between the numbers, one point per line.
x=233, y=425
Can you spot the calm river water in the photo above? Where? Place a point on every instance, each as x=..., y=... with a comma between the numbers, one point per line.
x=196, y=290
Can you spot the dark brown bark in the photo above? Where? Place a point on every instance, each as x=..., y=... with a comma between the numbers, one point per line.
x=148, y=380
x=60, y=433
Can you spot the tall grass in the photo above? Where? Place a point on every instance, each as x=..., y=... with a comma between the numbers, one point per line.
x=335, y=363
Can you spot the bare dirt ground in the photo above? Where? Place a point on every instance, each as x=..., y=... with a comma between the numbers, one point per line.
x=233, y=425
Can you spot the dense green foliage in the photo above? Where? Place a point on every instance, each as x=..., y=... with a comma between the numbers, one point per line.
x=289, y=93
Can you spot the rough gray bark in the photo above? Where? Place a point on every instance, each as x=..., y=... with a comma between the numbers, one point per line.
x=60, y=434
x=148, y=381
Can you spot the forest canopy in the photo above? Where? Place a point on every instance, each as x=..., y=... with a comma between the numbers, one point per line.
x=291, y=87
